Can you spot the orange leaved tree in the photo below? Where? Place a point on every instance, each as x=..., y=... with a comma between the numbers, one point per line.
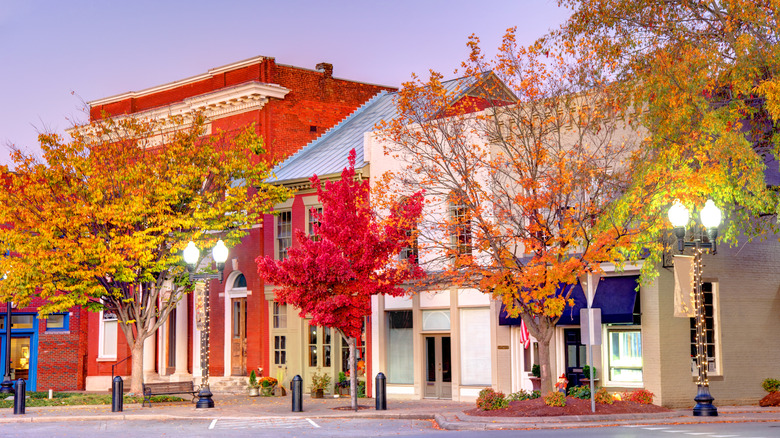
x=524, y=195
x=102, y=220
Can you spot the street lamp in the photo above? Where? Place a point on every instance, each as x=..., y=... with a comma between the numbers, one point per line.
x=710, y=218
x=191, y=255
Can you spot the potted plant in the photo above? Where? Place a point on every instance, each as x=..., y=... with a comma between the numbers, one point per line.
x=254, y=386
x=268, y=383
x=588, y=373
x=319, y=382
x=536, y=377
x=343, y=384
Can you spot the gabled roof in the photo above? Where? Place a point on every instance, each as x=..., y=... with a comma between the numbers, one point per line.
x=328, y=154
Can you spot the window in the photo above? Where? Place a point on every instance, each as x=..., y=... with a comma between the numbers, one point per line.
x=326, y=348
x=280, y=315
x=410, y=251
x=280, y=350
x=314, y=215
x=710, y=326
x=108, y=334
x=312, y=345
x=360, y=350
x=239, y=282
x=400, y=362
x=283, y=234
x=435, y=320
x=461, y=226
x=474, y=355
x=57, y=322
x=624, y=355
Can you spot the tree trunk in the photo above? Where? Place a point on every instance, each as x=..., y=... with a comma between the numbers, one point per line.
x=353, y=372
x=542, y=329
x=137, y=370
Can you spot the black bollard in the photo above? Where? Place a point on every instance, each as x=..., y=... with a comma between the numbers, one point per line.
x=19, y=397
x=297, y=393
x=117, y=394
x=381, y=392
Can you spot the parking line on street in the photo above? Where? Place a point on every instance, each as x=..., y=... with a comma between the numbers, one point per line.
x=213, y=423
x=313, y=423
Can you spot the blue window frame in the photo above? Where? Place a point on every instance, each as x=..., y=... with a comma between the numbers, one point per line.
x=58, y=322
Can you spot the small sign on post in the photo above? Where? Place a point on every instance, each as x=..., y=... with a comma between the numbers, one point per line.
x=590, y=326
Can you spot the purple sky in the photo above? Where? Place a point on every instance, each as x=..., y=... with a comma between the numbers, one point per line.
x=55, y=55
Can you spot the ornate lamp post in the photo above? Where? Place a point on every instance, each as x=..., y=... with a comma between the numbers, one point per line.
x=710, y=217
x=191, y=255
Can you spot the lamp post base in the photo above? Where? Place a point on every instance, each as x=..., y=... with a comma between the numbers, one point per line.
x=704, y=406
x=7, y=387
x=205, y=400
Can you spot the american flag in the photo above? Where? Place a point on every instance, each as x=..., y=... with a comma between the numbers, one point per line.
x=525, y=338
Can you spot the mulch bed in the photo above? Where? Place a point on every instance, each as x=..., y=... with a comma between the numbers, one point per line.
x=771, y=399
x=574, y=406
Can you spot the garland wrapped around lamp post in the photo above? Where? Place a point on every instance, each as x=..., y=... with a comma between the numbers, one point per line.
x=710, y=217
x=191, y=255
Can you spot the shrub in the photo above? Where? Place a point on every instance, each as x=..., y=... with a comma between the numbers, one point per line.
x=489, y=400
x=771, y=385
x=639, y=396
x=582, y=392
x=519, y=395
x=604, y=397
x=555, y=399
x=587, y=370
x=536, y=370
x=268, y=381
x=536, y=394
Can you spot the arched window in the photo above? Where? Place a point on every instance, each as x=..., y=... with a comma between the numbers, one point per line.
x=239, y=282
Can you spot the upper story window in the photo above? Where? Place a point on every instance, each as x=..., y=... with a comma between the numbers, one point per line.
x=461, y=226
x=57, y=322
x=411, y=250
x=314, y=215
x=283, y=234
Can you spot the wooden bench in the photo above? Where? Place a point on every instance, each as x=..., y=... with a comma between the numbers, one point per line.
x=168, y=388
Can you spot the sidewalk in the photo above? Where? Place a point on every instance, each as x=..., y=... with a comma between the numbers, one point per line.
x=448, y=414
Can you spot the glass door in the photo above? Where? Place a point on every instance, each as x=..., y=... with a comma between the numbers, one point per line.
x=238, y=338
x=438, y=367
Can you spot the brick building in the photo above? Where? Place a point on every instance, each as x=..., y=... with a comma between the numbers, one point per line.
x=289, y=106
x=48, y=353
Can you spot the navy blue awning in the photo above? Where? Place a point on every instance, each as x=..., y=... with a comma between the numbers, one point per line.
x=615, y=296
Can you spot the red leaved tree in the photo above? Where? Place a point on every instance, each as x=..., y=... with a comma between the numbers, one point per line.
x=354, y=256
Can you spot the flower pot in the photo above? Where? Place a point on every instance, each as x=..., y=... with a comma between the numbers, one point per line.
x=268, y=391
x=254, y=391
x=343, y=390
x=537, y=383
x=317, y=393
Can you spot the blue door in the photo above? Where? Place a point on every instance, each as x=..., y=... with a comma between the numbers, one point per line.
x=24, y=348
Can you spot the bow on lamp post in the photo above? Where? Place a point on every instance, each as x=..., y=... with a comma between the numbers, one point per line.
x=710, y=218
x=191, y=256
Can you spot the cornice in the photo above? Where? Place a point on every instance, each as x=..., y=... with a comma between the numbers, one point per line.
x=222, y=103
x=156, y=89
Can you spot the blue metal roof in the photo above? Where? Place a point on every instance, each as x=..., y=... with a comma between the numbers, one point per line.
x=329, y=153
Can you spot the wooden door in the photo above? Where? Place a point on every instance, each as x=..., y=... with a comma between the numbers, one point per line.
x=238, y=337
x=438, y=367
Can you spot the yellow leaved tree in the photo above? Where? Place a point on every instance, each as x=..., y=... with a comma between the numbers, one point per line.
x=101, y=220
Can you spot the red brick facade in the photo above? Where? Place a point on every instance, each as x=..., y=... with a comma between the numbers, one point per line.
x=316, y=101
